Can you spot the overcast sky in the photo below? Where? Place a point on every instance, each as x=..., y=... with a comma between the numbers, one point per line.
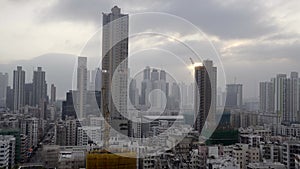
x=256, y=39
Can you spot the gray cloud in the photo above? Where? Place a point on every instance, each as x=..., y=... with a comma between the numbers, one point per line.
x=75, y=10
x=230, y=20
x=273, y=47
x=259, y=61
x=282, y=35
x=227, y=20
x=267, y=51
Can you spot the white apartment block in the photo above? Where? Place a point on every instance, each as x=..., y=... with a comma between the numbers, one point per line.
x=7, y=151
x=266, y=166
x=244, y=154
x=89, y=133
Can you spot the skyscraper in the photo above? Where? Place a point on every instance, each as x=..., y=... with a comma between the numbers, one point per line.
x=81, y=86
x=266, y=97
x=53, y=93
x=9, y=98
x=175, y=97
x=3, y=87
x=115, y=54
x=146, y=87
x=184, y=93
x=68, y=106
x=39, y=86
x=18, y=88
x=28, y=94
x=162, y=85
x=133, y=93
x=205, y=95
x=280, y=96
x=158, y=83
x=98, y=80
x=234, y=97
x=147, y=73
x=293, y=97
x=94, y=79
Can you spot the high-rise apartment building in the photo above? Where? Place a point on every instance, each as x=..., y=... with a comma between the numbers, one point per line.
x=266, y=97
x=81, y=86
x=98, y=79
x=39, y=86
x=68, y=106
x=18, y=88
x=3, y=88
x=94, y=79
x=205, y=95
x=53, y=93
x=146, y=87
x=9, y=98
x=158, y=90
x=234, y=97
x=133, y=93
x=292, y=105
x=115, y=67
x=184, y=93
x=175, y=97
x=281, y=96
x=28, y=94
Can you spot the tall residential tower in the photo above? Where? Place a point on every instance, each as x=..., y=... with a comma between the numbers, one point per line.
x=205, y=95
x=81, y=86
x=39, y=86
x=3, y=88
x=18, y=88
x=115, y=54
x=234, y=97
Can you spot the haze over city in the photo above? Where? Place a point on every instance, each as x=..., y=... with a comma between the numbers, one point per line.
x=253, y=37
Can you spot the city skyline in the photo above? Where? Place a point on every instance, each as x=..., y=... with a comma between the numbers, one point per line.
x=206, y=85
x=240, y=49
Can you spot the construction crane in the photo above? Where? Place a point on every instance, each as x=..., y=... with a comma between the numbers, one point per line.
x=106, y=114
x=192, y=61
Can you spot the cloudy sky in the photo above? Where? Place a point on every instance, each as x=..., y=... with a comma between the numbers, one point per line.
x=255, y=39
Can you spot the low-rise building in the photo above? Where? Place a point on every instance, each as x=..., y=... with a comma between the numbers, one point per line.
x=7, y=151
x=50, y=156
x=271, y=151
x=245, y=154
x=222, y=162
x=69, y=159
x=86, y=134
x=289, y=151
x=266, y=166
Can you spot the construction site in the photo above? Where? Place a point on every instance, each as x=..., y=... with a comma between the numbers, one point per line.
x=107, y=160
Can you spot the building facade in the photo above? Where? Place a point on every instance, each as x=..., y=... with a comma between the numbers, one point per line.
x=115, y=67
x=18, y=88
x=205, y=95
